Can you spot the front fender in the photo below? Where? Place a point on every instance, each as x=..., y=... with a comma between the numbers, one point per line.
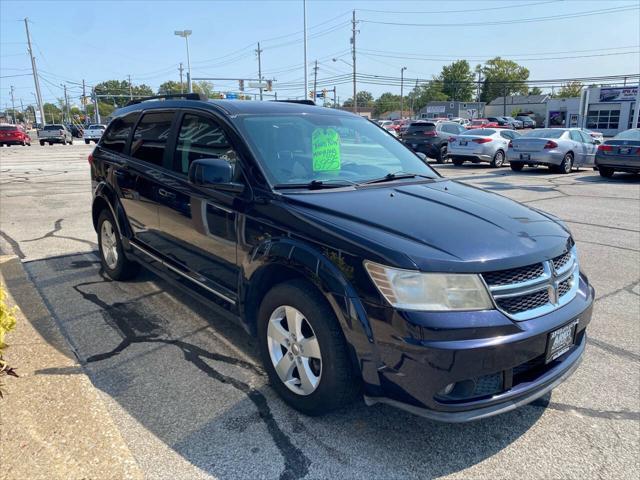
x=325, y=269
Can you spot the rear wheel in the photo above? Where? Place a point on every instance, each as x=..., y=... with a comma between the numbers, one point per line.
x=303, y=349
x=41, y=143
x=442, y=154
x=498, y=159
x=112, y=256
x=567, y=164
x=516, y=166
x=457, y=161
x=50, y=143
x=606, y=172
x=71, y=141
x=87, y=142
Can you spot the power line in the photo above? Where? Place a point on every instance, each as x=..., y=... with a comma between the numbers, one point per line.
x=513, y=59
x=509, y=22
x=468, y=10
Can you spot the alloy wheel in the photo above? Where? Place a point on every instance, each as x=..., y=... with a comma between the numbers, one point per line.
x=294, y=350
x=109, y=244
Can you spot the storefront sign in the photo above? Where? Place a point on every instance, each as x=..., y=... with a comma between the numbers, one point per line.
x=625, y=94
x=436, y=109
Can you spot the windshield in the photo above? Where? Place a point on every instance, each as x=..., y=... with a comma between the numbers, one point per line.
x=8, y=128
x=545, y=133
x=299, y=149
x=633, y=134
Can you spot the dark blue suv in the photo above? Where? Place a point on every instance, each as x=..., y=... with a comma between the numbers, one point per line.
x=360, y=270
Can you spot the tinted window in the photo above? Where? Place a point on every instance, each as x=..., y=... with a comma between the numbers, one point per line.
x=421, y=127
x=506, y=134
x=200, y=137
x=450, y=128
x=150, y=137
x=96, y=126
x=53, y=127
x=116, y=136
x=8, y=128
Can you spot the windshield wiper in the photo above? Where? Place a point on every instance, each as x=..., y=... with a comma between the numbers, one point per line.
x=395, y=176
x=316, y=184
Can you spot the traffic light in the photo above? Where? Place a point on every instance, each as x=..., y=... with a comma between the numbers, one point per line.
x=269, y=85
x=311, y=94
x=241, y=85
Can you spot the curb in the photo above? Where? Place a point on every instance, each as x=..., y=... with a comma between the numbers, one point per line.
x=53, y=422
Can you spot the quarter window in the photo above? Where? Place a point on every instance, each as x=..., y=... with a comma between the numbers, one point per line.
x=116, y=136
x=201, y=137
x=150, y=137
x=575, y=136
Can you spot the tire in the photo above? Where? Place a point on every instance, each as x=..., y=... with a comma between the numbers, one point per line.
x=442, y=154
x=566, y=165
x=330, y=380
x=109, y=240
x=87, y=142
x=50, y=143
x=606, y=172
x=498, y=159
x=516, y=166
x=41, y=143
x=457, y=161
x=71, y=141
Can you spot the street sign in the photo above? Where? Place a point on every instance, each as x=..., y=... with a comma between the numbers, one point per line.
x=231, y=95
x=258, y=85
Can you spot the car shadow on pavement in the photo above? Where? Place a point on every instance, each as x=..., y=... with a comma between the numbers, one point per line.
x=618, y=177
x=189, y=383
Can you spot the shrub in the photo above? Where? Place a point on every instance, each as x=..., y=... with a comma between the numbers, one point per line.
x=7, y=323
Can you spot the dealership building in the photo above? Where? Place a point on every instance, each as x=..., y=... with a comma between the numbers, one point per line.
x=605, y=109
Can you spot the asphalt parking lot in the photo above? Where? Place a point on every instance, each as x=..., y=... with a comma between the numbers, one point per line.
x=185, y=388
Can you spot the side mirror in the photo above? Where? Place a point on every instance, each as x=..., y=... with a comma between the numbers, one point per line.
x=214, y=173
x=422, y=156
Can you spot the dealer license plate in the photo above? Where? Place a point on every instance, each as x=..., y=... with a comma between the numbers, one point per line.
x=463, y=143
x=560, y=341
x=625, y=151
x=525, y=156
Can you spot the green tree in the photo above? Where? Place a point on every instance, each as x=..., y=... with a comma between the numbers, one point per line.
x=52, y=113
x=365, y=99
x=569, y=90
x=387, y=102
x=503, y=78
x=535, y=91
x=205, y=88
x=457, y=81
x=425, y=93
x=117, y=92
x=170, y=87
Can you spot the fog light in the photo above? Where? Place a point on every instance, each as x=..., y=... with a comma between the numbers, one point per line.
x=447, y=390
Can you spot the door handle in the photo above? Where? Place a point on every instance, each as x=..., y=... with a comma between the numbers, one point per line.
x=163, y=193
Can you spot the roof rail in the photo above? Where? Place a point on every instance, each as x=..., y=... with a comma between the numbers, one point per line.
x=301, y=102
x=186, y=96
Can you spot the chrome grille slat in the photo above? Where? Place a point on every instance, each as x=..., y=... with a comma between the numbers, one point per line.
x=535, y=289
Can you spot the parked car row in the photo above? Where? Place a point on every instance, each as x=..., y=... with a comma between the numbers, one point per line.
x=431, y=138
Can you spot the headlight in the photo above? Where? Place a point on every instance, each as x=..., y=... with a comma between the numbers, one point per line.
x=412, y=290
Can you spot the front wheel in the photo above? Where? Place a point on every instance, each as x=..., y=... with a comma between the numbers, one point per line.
x=303, y=349
x=606, y=172
x=516, y=166
x=112, y=256
x=87, y=142
x=498, y=159
x=442, y=154
x=457, y=161
x=41, y=143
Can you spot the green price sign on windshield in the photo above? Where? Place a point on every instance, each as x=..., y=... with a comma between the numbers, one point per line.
x=325, y=150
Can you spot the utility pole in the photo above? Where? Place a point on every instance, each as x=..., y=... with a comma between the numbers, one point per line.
x=13, y=106
x=130, y=89
x=504, y=96
x=413, y=97
x=402, y=91
x=334, y=97
x=66, y=104
x=181, y=84
x=35, y=73
x=479, y=72
x=353, y=53
x=258, y=51
x=24, y=115
x=315, y=81
x=84, y=100
x=304, y=14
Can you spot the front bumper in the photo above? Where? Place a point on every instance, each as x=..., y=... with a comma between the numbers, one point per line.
x=420, y=353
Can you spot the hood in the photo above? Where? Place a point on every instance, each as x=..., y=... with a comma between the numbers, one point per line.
x=441, y=225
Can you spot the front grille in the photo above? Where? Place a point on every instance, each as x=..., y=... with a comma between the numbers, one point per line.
x=514, y=275
x=561, y=261
x=564, y=287
x=523, y=303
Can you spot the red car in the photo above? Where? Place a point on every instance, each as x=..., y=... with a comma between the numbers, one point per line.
x=14, y=135
x=481, y=123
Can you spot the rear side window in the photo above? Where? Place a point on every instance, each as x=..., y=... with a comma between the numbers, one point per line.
x=200, y=137
x=482, y=132
x=451, y=128
x=150, y=137
x=575, y=136
x=116, y=136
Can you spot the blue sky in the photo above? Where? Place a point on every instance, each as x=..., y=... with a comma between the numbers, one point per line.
x=102, y=40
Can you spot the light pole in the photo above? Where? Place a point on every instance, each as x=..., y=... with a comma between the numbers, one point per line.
x=402, y=91
x=185, y=34
x=350, y=66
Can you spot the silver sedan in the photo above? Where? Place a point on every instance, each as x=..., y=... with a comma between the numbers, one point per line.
x=558, y=148
x=481, y=145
